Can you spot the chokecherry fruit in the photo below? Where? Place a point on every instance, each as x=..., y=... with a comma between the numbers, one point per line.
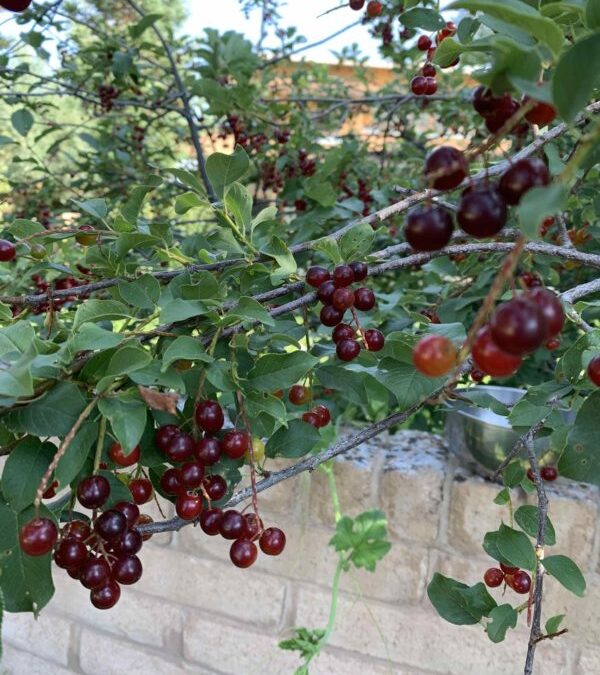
x=8, y=250
x=330, y=316
x=252, y=526
x=164, y=434
x=310, y=418
x=347, y=350
x=93, y=491
x=552, y=309
x=430, y=86
x=70, y=554
x=316, y=276
x=209, y=416
x=428, y=228
x=216, y=487
x=434, y=355
x=141, y=490
x=343, y=332
x=119, y=457
x=95, y=572
x=129, y=543
x=492, y=360
x=549, y=473
x=356, y=4
x=520, y=582
x=343, y=299
x=38, y=536
x=360, y=269
x=325, y=292
x=232, y=524
x=552, y=344
x=521, y=177
x=518, y=326
x=106, y=596
x=110, y=525
x=210, y=521
x=272, y=541
x=298, y=394
x=76, y=529
x=364, y=299
x=593, y=370
x=188, y=507
x=343, y=275
x=191, y=475
x=170, y=481
x=374, y=8
x=235, y=443
x=481, y=212
x=541, y=114
x=180, y=447
x=493, y=577
x=418, y=85
x=428, y=70
x=323, y=415
x=424, y=43
x=374, y=339
x=127, y=569
x=507, y=569
x=243, y=553
x=446, y=168
x=87, y=237
x=208, y=451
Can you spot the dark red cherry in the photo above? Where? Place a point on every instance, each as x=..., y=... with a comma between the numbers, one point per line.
x=191, y=475
x=129, y=543
x=272, y=541
x=130, y=511
x=549, y=473
x=311, y=418
x=243, y=553
x=325, y=292
x=418, y=85
x=141, y=490
x=180, y=447
x=593, y=370
x=374, y=339
x=188, y=507
x=127, y=569
x=445, y=168
x=8, y=250
x=164, y=434
x=481, y=212
x=208, y=451
x=38, y=536
x=95, y=572
x=119, y=457
x=70, y=554
x=210, y=521
x=364, y=299
x=323, y=415
x=343, y=299
x=347, y=350
x=552, y=309
x=170, y=482
x=343, y=276
x=490, y=359
x=76, y=529
x=360, y=269
x=520, y=582
x=110, y=525
x=216, y=487
x=232, y=525
x=252, y=526
x=106, y=596
x=209, y=416
x=493, y=577
x=518, y=326
x=343, y=332
x=93, y=491
x=356, y=4
x=541, y=114
x=424, y=43
x=298, y=394
x=430, y=86
x=316, y=276
x=330, y=316
x=521, y=177
x=428, y=228
x=428, y=70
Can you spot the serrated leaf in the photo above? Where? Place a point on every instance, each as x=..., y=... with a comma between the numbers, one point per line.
x=566, y=572
x=526, y=518
x=363, y=538
x=502, y=618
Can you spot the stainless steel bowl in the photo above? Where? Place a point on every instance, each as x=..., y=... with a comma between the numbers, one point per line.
x=482, y=438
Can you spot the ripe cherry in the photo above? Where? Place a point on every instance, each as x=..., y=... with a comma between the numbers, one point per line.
x=481, y=212
x=95, y=572
x=210, y=521
x=418, y=85
x=364, y=299
x=76, y=529
x=374, y=8
x=106, y=596
x=325, y=292
x=191, y=475
x=141, y=490
x=208, y=451
x=430, y=86
x=145, y=519
x=235, y=444
x=424, y=43
x=493, y=577
x=490, y=359
x=209, y=416
x=119, y=457
x=170, y=481
x=552, y=309
x=252, y=526
x=243, y=553
x=216, y=487
x=356, y=4
x=552, y=344
x=428, y=70
x=521, y=177
x=298, y=394
x=70, y=554
x=343, y=275
x=311, y=418
x=180, y=447
x=232, y=524
x=343, y=299
x=317, y=276
x=428, y=228
x=38, y=536
x=541, y=114
x=272, y=541
x=446, y=168
x=130, y=511
x=343, y=332
x=593, y=370
x=93, y=491
x=549, y=473
x=188, y=507
x=323, y=415
x=507, y=569
x=434, y=355
x=518, y=326
x=330, y=316
x=347, y=350
x=127, y=569
x=520, y=582
x=360, y=269
x=8, y=250
x=374, y=339
x=129, y=543
x=164, y=434
x=110, y=525
x=50, y=490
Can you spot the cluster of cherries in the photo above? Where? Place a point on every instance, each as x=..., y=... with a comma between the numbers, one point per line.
x=514, y=577
x=107, y=94
x=497, y=110
x=319, y=416
x=548, y=473
x=333, y=290
x=425, y=84
x=101, y=555
x=15, y=5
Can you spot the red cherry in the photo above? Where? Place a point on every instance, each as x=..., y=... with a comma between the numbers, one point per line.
x=428, y=70
x=243, y=553
x=93, y=491
x=272, y=541
x=541, y=114
x=145, y=519
x=8, y=250
x=119, y=457
x=481, y=212
x=50, y=490
x=317, y=276
x=552, y=344
x=593, y=370
x=141, y=490
x=70, y=554
x=216, y=487
x=446, y=168
x=95, y=572
x=374, y=339
x=521, y=177
x=374, y=8
x=127, y=569
x=110, y=525
x=323, y=415
x=232, y=525
x=418, y=85
x=298, y=394
x=235, y=444
x=490, y=359
x=16, y=5
x=430, y=86
x=347, y=350
x=311, y=418
x=518, y=326
x=76, y=529
x=209, y=416
x=170, y=482
x=434, y=355
x=210, y=521
x=360, y=269
x=477, y=375
x=507, y=569
x=364, y=299
x=106, y=596
x=428, y=228
x=356, y=4
x=129, y=543
x=330, y=316
x=493, y=577
x=164, y=434
x=520, y=582
x=424, y=43
x=552, y=309
x=343, y=299
x=531, y=475
x=343, y=332
x=38, y=536
x=180, y=447
x=252, y=526
x=343, y=275
x=549, y=473
x=191, y=475
x=208, y=451
x=188, y=507
x=325, y=292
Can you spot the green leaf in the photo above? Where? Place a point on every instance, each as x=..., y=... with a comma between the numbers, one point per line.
x=502, y=618
x=537, y=204
x=250, y=309
x=189, y=179
x=329, y=247
x=580, y=460
x=21, y=228
x=451, y=605
x=420, y=17
x=277, y=371
x=17, y=380
x=143, y=293
x=187, y=201
x=184, y=348
x=553, y=623
x=592, y=14
x=502, y=498
x=278, y=250
x=362, y=539
x=298, y=439
x=99, y=310
x=223, y=169
x=321, y=191
x=238, y=201
x=78, y=451
x=119, y=492
x=95, y=207
x=138, y=29
x=406, y=383
x=132, y=207
x=128, y=359
x=526, y=518
x=23, y=471
x=516, y=547
x=356, y=243
x=570, y=91
x=22, y=121
x=513, y=474
x=307, y=642
x=26, y=581
x=91, y=336
x=566, y=572
x=127, y=418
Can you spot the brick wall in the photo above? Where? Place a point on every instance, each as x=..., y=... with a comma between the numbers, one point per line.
x=193, y=612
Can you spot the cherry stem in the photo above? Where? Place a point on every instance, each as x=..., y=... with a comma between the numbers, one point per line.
x=359, y=326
